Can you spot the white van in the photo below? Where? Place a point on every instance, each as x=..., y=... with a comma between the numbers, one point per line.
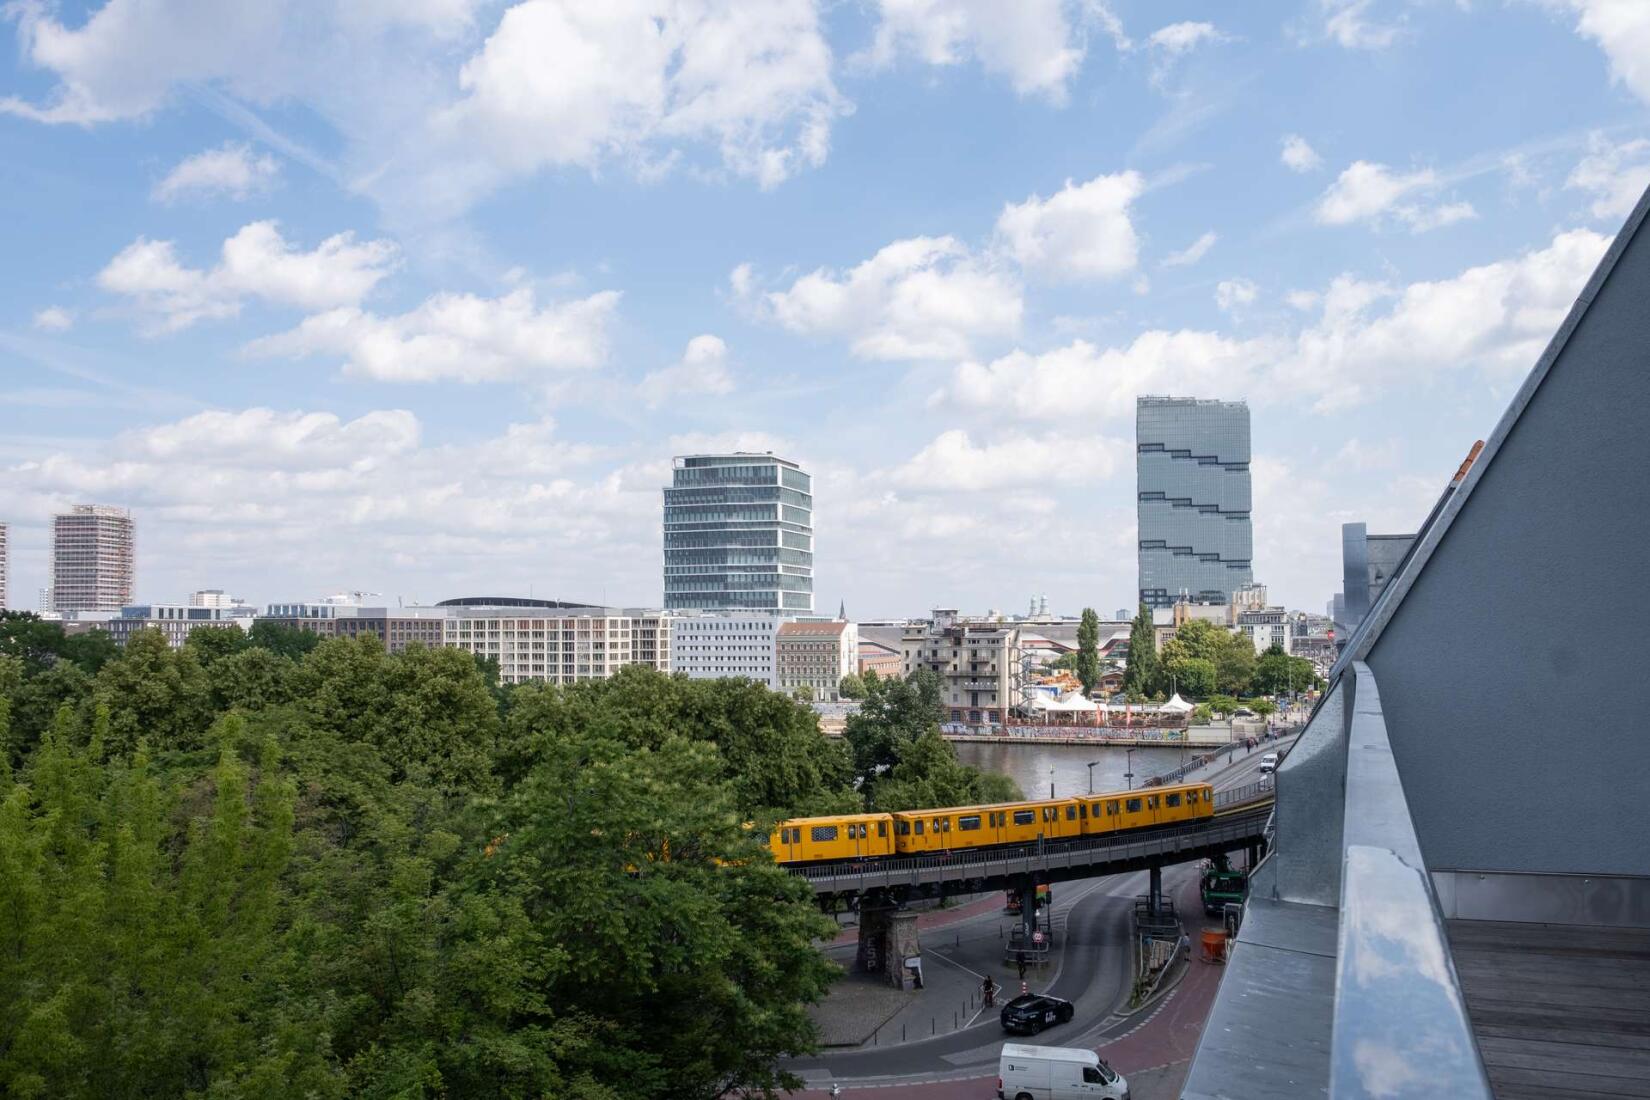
x=1269, y=763
x=1056, y=1073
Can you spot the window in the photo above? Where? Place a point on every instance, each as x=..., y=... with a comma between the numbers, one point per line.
x=1071, y=813
x=882, y=828
x=1134, y=805
x=1083, y=810
x=1111, y=807
x=919, y=826
x=1024, y=817
x=1208, y=794
x=945, y=824
x=1151, y=802
x=902, y=828
x=968, y=822
x=824, y=832
x=1171, y=799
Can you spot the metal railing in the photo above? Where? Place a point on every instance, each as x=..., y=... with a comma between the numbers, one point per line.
x=1401, y=1028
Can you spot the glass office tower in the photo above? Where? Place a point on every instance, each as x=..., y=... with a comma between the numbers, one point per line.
x=739, y=535
x=1192, y=464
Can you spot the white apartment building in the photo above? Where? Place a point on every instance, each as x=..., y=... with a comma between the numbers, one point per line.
x=560, y=645
x=978, y=664
x=214, y=597
x=816, y=656
x=714, y=647
x=173, y=620
x=93, y=554
x=1267, y=627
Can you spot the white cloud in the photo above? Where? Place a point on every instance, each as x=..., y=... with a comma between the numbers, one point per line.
x=257, y=262
x=1178, y=38
x=952, y=462
x=703, y=370
x=1034, y=43
x=1231, y=294
x=54, y=319
x=1193, y=252
x=232, y=170
x=1081, y=231
x=1622, y=30
x=1367, y=192
x=1298, y=156
x=1366, y=339
x=1357, y=455
x=266, y=437
x=563, y=82
x=1348, y=24
x=1303, y=300
x=433, y=113
x=922, y=298
x=1615, y=175
x=456, y=337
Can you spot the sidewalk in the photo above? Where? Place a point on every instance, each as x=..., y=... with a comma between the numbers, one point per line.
x=934, y=918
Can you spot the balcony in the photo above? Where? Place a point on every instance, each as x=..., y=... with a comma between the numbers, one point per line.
x=980, y=685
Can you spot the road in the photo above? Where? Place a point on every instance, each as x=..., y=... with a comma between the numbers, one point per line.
x=1093, y=974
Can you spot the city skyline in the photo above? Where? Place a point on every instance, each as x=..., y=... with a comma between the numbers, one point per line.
x=320, y=332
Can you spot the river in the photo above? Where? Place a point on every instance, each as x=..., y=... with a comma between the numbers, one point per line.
x=1030, y=765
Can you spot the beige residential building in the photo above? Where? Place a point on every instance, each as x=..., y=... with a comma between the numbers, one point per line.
x=978, y=664
x=816, y=656
x=560, y=645
x=93, y=553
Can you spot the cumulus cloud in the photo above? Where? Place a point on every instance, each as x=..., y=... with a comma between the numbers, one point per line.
x=1035, y=44
x=1081, y=231
x=432, y=114
x=1622, y=30
x=1615, y=175
x=231, y=170
x=703, y=369
x=456, y=337
x=257, y=262
x=921, y=298
x=1298, y=156
x=1367, y=192
x=53, y=319
x=1169, y=44
x=953, y=462
x=1193, y=252
x=1365, y=339
x=1231, y=294
x=266, y=437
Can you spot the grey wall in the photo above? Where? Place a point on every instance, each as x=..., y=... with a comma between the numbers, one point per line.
x=1511, y=679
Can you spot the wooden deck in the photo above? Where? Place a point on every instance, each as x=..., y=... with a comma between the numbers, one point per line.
x=1559, y=1010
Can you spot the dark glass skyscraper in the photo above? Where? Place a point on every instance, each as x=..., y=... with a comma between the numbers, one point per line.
x=739, y=535
x=1192, y=464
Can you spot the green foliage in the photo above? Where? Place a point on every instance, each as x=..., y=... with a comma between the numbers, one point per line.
x=1222, y=704
x=39, y=644
x=852, y=686
x=1066, y=662
x=901, y=760
x=225, y=873
x=287, y=641
x=1276, y=672
x=1194, y=676
x=1202, y=715
x=1140, y=677
x=211, y=644
x=1263, y=707
x=1088, y=650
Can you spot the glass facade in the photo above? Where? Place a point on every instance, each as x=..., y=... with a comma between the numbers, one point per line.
x=1192, y=465
x=739, y=535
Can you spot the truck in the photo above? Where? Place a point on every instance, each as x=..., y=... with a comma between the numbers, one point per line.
x=1027, y=1072
x=1220, y=886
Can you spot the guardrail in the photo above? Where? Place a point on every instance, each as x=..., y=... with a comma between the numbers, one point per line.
x=1401, y=1029
x=1259, y=791
x=1234, y=828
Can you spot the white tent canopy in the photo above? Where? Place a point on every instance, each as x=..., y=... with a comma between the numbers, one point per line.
x=1072, y=702
x=1177, y=704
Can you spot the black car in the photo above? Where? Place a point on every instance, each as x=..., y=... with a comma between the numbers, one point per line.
x=1033, y=1012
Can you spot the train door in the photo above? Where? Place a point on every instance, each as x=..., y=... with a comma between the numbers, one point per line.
x=1154, y=805
x=789, y=848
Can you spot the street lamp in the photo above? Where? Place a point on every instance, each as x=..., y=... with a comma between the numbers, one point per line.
x=1129, y=775
x=1051, y=782
x=1092, y=763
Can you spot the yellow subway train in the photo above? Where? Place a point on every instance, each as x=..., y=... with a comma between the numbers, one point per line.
x=853, y=837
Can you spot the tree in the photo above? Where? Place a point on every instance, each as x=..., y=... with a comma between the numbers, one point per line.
x=804, y=693
x=1088, y=650
x=1231, y=654
x=154, y=692
x=894, y=712
x=1193, y=676
x=41, y=644
x=1140, y=675
x=852, y=686
x=1222, y=704
x=288, y=641
x=211, y=644
x=252, y=679
x=1263, y=707
x=929, y=774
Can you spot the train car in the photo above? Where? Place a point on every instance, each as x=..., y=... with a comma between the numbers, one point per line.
x=962, y=827
x=838, y=837
x=1120, y=810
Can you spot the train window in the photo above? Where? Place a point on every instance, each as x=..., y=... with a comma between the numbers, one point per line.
x=882, y=828
x=1111, y=807
x=1134, y=805
x=945, y=824
x=1208, y=794
x=1024, y=817
x=968, y=822
x=1083, y=810
x=902, y=828
x=1071, y=813
x=919, y=826
x=1171, y=800
x=823, y=832
x=1151, y=802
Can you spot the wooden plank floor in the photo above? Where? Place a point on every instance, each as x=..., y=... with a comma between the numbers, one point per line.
x=1559, y=1010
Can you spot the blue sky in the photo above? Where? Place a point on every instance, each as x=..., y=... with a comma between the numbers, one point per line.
x=420, y=297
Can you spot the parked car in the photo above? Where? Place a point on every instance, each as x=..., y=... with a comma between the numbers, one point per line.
x=1028, y=1072
x=1032, y=1012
